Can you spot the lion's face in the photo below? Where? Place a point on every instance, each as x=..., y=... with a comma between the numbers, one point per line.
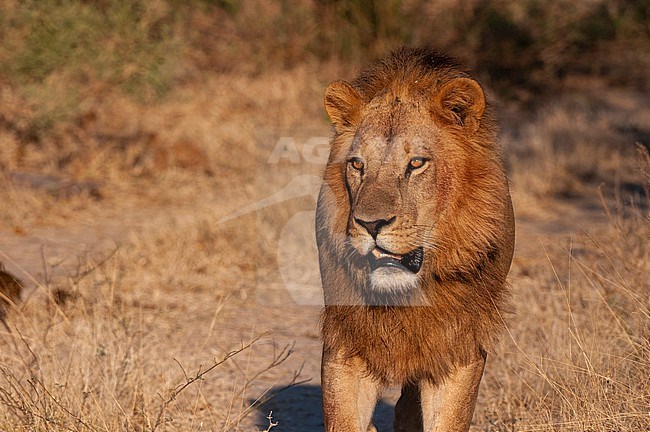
x=390, y=177
x=414, y=189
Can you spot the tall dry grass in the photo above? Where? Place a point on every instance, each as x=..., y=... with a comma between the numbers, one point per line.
x=116, y=345
x=576, y=356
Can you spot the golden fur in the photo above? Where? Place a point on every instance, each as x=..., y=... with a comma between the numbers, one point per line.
x=427, y=331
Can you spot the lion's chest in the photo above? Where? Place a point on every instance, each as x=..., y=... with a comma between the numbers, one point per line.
x=403, y=344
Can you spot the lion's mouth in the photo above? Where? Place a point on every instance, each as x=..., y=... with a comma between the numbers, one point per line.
x=411, y=261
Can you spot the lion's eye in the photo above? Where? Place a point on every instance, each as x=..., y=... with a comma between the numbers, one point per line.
x=356, y=163
x=417, y=162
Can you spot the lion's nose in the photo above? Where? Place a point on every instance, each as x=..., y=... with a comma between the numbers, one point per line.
x=375, y=226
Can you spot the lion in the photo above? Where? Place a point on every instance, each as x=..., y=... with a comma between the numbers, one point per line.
x=10, y=289
x=415, y=233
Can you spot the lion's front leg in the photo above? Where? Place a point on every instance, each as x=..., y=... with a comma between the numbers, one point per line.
x=349, y=394
x=449, y=407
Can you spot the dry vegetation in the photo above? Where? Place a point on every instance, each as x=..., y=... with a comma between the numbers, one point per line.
x=576, y=355
x=129, y=129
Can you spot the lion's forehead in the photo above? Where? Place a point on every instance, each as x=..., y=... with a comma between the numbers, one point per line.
x=384, y=114
x=395, y=129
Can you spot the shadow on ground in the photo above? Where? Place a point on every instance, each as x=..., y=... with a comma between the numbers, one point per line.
x=299, y=409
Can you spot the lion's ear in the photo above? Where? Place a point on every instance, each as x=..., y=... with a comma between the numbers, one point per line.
x=461, y=101
x=342, y=103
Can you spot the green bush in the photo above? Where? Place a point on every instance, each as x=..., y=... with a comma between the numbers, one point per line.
x=52, y=48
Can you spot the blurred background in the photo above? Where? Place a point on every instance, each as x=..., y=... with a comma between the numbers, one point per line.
x=158, y=168
x=66, y=64
x=106, y=89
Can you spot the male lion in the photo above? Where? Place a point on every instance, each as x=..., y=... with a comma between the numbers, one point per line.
x=415, y=234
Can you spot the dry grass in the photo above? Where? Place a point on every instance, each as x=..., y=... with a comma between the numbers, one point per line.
x=140, y=289
x=576, y=141
x=96, y=350
x=577, y=355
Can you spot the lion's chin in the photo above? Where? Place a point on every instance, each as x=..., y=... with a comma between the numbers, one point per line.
x=392, y=280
